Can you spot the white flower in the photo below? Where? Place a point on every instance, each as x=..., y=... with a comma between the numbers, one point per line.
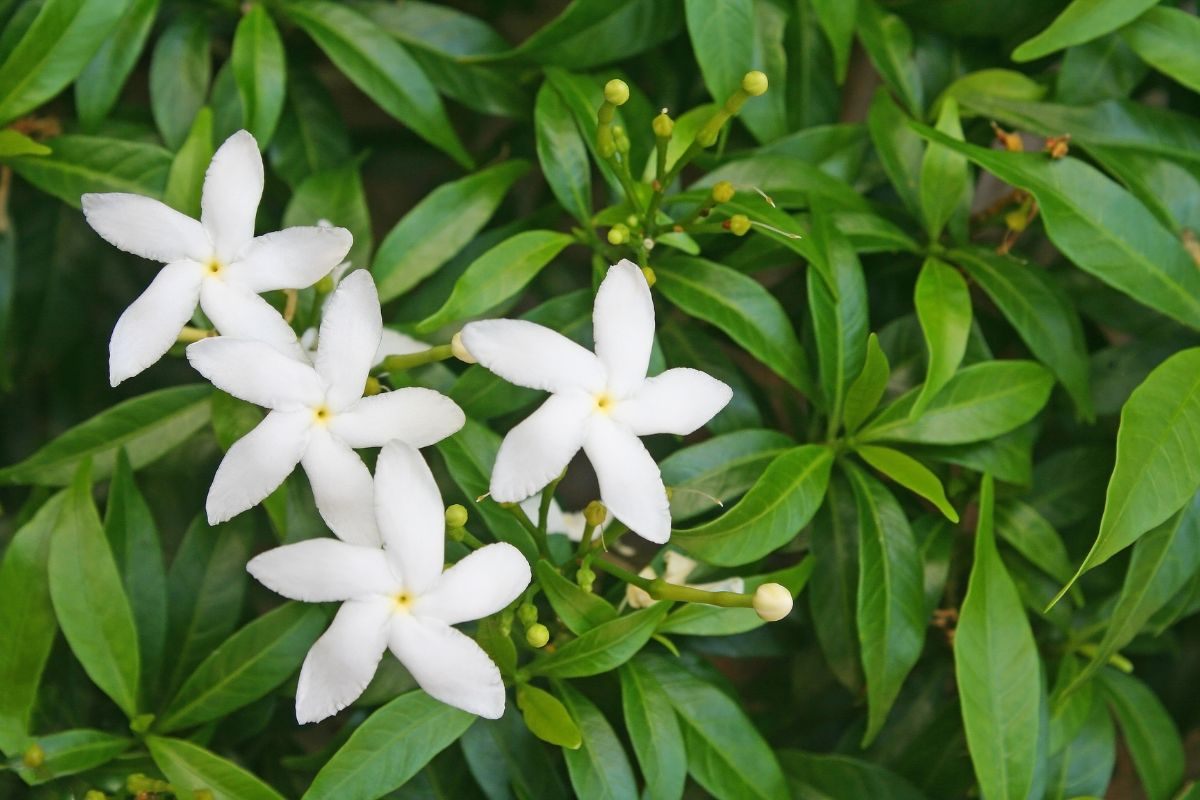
x=216, y=261
x=318, y=414
x=397, y=597
x=676, y=569
x=601, y=402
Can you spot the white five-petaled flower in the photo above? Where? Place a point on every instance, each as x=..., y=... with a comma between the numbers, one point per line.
x=215, y=261
x=600, y=401
x=398, y=598
x=318, y=414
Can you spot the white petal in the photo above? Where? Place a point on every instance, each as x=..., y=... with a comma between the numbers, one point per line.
x=343, y=661
x=233, y=186
x=145, y=227
x=556, y=520
x=294, y=258
x=151, y=324
x=412, y=519
x=678, y=401
x=677, y=567
x=417, y=416
x=573, y=523
x=481, y=584
x=395, y=343
x=242, y=314
x=323, y=570
x=630, y=484
x=623, y=325
x=257, y=463
x=532, y=355
x=342, y=487
x=448, y=665
x=257, y=373
x=728, y=585
x=350, y=332
x=538, y=449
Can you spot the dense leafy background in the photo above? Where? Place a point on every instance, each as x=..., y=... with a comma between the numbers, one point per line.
x=1024, y=318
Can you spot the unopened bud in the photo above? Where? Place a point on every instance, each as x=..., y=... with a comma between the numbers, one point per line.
x=754, y=83
x=663, y=125
x=373, y=386
x=1012, y=141
x=528, y=614
x=637, y=597
x=616, y=92
x=1059, y=146
x=772, y=602
x=618, y=234
x=325, y=285
x=620, y=139
x=203, y=794
x=722, y=192
x=460, y=350
x=94, y=794
x=34, y=756
x=585, y=578
x=456, y=516
x=595, y=513
x=537, y=635
x=739, y=224
x=650, y=276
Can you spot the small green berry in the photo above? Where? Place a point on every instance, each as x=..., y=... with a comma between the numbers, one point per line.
x=537, y=635
x=754, y=83
x=456, y=516
x=616, y=91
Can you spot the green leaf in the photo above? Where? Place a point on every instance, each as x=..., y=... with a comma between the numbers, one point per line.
x=833, y=597
x=27, y=618
x=700, y=619
x=839, y=315
x=1009, y=457
x=180, y=72
x=721, y=468
x=15, y=143
x=382, y=68
x=943, y=304
x=1149, y=733
x=90, y=602
x=998, y=671
x=599, y=769
x=579, y=610
x=389, y=748
x=837, y=18
x=582, y=95
x=100, y=83
x=503, y=752
x=899, y=148
x=944, y=175
x=191, y=768
x=72, y=752
x=310, y=137
x=1084, y=766
x=654, y=732
x=500, y=273
x=889, y=44
x=992, y=83
x=1163, y=38
x=1040, y=312
x=722, y=36
x=740, y=307
x=685, y=345
x=562, y=154
x=780, y=503
x=909, y=473
x=1081, y=21
x=335, y=195
x=890, y=603
x=865, y=392
x=146, y=427
x=1033, y=537
x=546, y=717
x=603, y=648
x=246, y=666
x=1102, y=69
x=80, y=164
x=260, y=71
x=439, y=226
x=53, y=51
x=137, y=551
x=1102, y=228
x=185, y=180
x=838, y=777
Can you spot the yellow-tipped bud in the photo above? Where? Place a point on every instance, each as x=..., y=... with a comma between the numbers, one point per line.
x=34, y=756
x=203, y=794
x=650, y=276
x=373, y=386
x=94, y=794
x=739, y=224
x=663, y=125
x=326, y=285
x=772, y=602
x=616, y=92
x=722, y=192
x=618, y=234
x=537, y=635
x=460, y=350
x=456, y=516
x=754, y=83
x=620, y=139
x=595, y=513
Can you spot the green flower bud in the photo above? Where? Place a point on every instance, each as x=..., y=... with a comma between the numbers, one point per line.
x=618, y=234
x=537, y=635
x=325, y=285
x=34, y=756
x=650, y=276
x=506, y=621
x=631, y=220
x=595, y=513
x=585, y=578
x=722, y=192
x=94, y=794
x=739, y=224
x=620, y=139
x=616, y=91
x=528, y=614
x=754, y=83
x=456, y=516
x=663, y=125
x=373, y=386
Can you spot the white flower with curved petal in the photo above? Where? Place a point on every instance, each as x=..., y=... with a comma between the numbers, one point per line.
x=677, y=568
x=397, y=597
x=318, y=415
x=600, y=401
x=215, y=261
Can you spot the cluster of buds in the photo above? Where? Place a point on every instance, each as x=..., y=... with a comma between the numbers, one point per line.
x=609, y=137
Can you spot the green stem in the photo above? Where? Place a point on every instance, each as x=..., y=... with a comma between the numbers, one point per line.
x=585, y=544
x=399, y=363
x=661, y=590
x=621, y=167
x=538, y=537
x=544, y=505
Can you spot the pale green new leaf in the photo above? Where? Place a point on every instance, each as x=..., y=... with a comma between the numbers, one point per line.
x=1081, y=21
x=865, y=392
x=1165, y=38
x=260, y=71
x=944, y=174
x=943, y=305
x=547, y=718
x=909, y=473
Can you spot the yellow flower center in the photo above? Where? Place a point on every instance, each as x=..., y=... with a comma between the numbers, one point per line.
x=605, y=403
x=403, y=601
x=322, y=415
x=213, y=267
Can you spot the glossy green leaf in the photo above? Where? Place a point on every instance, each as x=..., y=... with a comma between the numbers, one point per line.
x=89, y=600
x=582, y=95
x=1102, y=69
x=1033, y=537
x=1164, y=37
x=837, y=18
x=741, y=308
x=889, y=44
x=943, y=305
x=15, y=143
x=503, y=752
x=866, y=390
x=389, y=748
x=1009, y=457
x=839, y=777
x=599, y=769
x=191, y=768
x=839, y=315
x=562, y=154
x=382, y=68
x=335, y=195
x=1081, y=21
x=899, y=149
x=654, y=732
x=909, y=473
x=772, y=512
x=185, y=180
x=1084, y=766
x=146, y=427
x=944, y=174
x=722, y=35
x=602, y=648
x=180, y=72
x=833, y=597
x=997, y=668
x=80, y=164
x=580, y=611
x=497, y=275
x=547, y=718
x=1005, y=83
x=1149, y=733
x=439, y=226
x=890, y=600
x=260, y=72
x=72, y=752
x=311, y=136
x=721, y=469
x=101, y=81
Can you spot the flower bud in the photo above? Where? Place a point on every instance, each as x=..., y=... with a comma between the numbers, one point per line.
x=739, y=224
x=772, y=602
x=528, y=614
x=203, y=794
x=620, y=139
x=456, y=516
x=722, y=192
x=34, y=756
x=663, y=125
x=595, y=513
x=373, y=386
x=616, y=91
x=460, y=350
x=585, y=578
x=537, y=635
x=631, y=220
x=754, y=83
x=618, y=234
x=94, y=794
x=325, y=285
x=650, y=276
